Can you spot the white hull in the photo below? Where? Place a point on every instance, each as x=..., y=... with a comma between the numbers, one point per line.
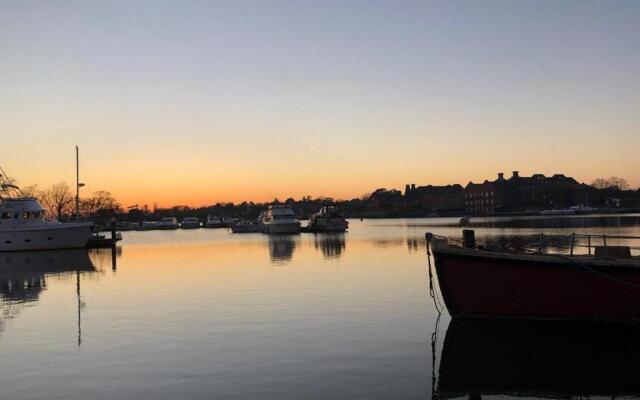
x=293, y=227
x=55, y=236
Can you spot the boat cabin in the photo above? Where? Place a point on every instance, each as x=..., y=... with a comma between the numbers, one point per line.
x=22, y=210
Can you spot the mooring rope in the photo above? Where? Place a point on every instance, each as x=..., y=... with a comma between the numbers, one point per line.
x=433, y=292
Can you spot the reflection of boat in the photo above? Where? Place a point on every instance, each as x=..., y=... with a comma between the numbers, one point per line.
x=168, y=224
x=331, y=244
x=281, y=247
x=246, y=227
x=328, y=219
x=23, y=227
x=478, y=281
x=539, y=359
x=213, y=221
x=280, y=218
x=23, y=277
x=190, y=223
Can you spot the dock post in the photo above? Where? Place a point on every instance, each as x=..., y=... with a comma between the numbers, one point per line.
x=113, y=231
x=469, y=238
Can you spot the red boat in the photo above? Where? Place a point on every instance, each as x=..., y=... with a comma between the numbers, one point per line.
x=477, y=281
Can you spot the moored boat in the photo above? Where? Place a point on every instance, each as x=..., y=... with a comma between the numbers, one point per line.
x=213, y=221
x=23, y=227
x=190, y=223
x=279, y=218
x=148, y=226
x=479, y=281
x=246, y=227
x=328, y=219
x=168, y=223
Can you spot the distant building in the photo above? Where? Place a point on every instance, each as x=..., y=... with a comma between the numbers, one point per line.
x=526, y=193
x=481, y=198
x=435, y=198
x=383, y=200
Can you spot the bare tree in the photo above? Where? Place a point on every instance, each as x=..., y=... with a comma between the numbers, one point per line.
x=30, y=191
x=610, y=183
x=58, y=200
x=98, y=202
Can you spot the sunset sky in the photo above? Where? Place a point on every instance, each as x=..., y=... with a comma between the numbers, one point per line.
x=194, y=102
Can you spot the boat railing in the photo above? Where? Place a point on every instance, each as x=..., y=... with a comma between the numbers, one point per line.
x=596, y=240
x=541, y=243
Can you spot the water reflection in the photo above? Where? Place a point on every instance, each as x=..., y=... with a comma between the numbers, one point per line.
x=281, y=248
x=415, y=244
x=539, y=359
x=24, y=275
x=331, y=244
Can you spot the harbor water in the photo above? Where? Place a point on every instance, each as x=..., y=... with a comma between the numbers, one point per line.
x=204, y=313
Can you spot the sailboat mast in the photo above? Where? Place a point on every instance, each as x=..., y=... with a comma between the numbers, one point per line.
x=77, y=187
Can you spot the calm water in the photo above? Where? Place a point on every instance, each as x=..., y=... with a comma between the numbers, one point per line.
x=210, y=314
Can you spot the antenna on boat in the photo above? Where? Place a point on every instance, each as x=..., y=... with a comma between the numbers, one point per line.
x=78, y=185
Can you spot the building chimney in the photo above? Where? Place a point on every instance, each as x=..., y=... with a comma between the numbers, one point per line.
x=500, y=176
x=515, y=174
x=413, y=186
x=406, y=189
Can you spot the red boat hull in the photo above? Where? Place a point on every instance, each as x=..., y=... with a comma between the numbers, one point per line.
x=541, y=287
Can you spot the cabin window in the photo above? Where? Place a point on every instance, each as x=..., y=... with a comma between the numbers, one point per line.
x=16, y=215
x=26, y=215
x=49, y=238
x=5, y=215
x=7, y=241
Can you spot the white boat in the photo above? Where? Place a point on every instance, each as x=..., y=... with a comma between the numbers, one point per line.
x=328, y=219
x=246, y=227
x=23, y=227
x=280, y=218
x=168, y=224
x=213, y=221
x=228, y=221
x=190, y=223
x=148, y=226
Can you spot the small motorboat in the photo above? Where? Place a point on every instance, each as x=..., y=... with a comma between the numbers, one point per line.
x=190, y=223
x=246, y=227
x=168, y=223
x=328, y=219
x=280, y=218
x=213, y=221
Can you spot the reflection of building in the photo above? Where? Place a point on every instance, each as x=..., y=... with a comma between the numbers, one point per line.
x=331, y=244
x=281, y=247
x=538, y=359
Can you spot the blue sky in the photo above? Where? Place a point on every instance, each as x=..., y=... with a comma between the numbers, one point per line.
x=263, y=99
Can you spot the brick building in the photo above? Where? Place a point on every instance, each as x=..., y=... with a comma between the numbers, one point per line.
x=434, y=198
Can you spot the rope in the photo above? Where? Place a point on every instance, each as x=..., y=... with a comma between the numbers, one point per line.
x=432, y=289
